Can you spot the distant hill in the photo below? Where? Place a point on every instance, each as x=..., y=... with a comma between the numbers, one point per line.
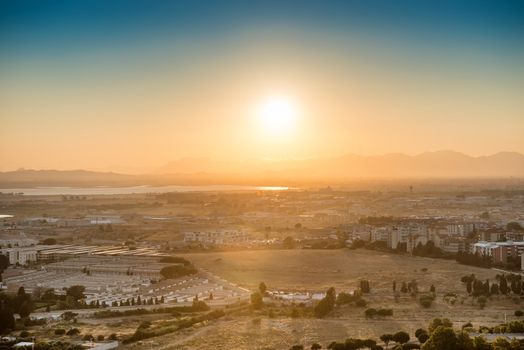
x=32, y=178
x=429, y=164
x=193, y=171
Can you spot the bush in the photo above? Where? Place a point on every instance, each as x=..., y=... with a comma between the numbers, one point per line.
x=176, y=271
x=519, y=313
x=24, y=334
x=88, y=337
x=113, y=336
x=370, y=312
x=385, y=312
x=426, y=300
x=256, y=301
x=60, y=331
x=175, y=260
x=361, y=303
x=100, y=337
x=73, y=331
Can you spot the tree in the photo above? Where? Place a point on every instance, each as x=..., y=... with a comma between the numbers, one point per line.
x=401, y=337
x=514, y=226
x=76, y=292
x=289, y=242
x=443, y=338
x=437, y=322
x=262, y=288
x=421, y=334
x=256, y=301
x=49, y=241
x=326, y=304
x=25, y=309
x=364, y=286
x=4, y=263
x=7, y=318
x=386, y=338
x=464, y=341
x=503, y=285
x=501, y=343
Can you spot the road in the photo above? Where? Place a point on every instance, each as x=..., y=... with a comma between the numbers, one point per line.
x=85, y=313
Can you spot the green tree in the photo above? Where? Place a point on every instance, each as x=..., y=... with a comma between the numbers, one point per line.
x=386, y=338
x=503, y=285
x=76, y=292
x=442, y=338
x=437, y=322
x=401, y=337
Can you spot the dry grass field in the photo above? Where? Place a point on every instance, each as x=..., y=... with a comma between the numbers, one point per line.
x=316, y=270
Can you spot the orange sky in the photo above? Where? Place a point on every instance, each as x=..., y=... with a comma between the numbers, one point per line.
x=139, y=108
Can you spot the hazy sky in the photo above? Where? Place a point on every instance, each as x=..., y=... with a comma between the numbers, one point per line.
x=125, y=84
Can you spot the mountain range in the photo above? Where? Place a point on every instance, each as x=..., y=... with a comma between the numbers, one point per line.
x=440, y=164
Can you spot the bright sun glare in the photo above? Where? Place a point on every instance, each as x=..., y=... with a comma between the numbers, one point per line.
x=277, y=115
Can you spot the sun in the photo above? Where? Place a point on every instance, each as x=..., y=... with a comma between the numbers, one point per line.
x=277, y=115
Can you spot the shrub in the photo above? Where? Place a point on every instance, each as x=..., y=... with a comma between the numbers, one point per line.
x=60, y=331
x=426, y=300
x=256, y=300
x=24, y=334
x=88, y=337
x=482, y=300
x=73, y=331
x=370, y=312
x=385, y=312
x=175, y=260
x=519, y=313
x=361, y=303
x=176, y=271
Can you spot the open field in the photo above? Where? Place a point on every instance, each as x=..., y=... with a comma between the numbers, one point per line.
x=317, y=270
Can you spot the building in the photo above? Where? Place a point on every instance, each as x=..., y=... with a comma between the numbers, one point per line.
x=499, y=251
x=20, y=256
x=221, y=237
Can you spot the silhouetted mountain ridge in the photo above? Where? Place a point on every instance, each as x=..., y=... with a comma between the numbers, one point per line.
x=439, y=164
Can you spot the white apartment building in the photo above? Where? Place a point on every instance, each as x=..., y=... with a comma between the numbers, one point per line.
x=20, y=256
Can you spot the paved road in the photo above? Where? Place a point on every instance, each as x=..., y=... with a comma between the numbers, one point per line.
x=85, y=313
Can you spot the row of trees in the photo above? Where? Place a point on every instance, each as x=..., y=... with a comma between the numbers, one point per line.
x=507, y=284
x=473, y=259
x=439, y=335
